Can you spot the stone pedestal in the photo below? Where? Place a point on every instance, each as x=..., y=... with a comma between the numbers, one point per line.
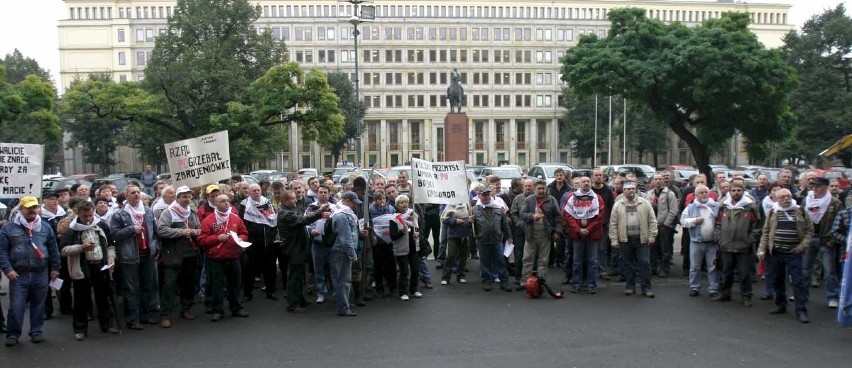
x=456, y=137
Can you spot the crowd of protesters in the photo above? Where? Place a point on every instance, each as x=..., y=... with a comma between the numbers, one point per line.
x=139, y=256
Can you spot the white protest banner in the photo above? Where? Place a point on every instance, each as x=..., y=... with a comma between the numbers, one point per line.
x=21, y=168
x=438, y=182
x=201, y=160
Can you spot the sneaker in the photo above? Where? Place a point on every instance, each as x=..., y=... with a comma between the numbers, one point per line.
x=747, y=302
x=593, y=290
x=320, y=299
x=427, y=285
x=486, y=287
x=165, y=323
x=418, y=294
x=79, y=336
x=693, y=292
x=11, y=341
x=648, y=294
x=575, y=289
x=629, y=292
x=404, y=298
x=833, y=304
x=445, y=282
x=461, y=280
x=240, y=313
x=216, y=317
x=803, y=317
x=37, y=339
x=778, y=310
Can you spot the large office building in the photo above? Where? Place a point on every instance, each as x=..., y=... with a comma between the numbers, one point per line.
x=507, y=52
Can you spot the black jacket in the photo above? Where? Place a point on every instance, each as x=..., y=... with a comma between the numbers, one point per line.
x=295, y=240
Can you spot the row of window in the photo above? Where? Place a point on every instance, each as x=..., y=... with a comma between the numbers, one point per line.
x=442, y=78
x=105, y=12
x=371, y=56
x=396, y=101
x=502, y=12
x=452, y=11
x=420, y=33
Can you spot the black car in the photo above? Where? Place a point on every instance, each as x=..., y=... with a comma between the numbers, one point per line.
x=120, y=183
x=58, y=183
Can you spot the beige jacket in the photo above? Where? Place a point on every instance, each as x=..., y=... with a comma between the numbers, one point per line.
x=618, y=221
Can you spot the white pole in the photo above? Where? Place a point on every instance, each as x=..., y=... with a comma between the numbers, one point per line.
x=595, y=159
x=609, y=143
x=624, y=136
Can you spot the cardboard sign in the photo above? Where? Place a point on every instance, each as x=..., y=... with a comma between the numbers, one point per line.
x=199, y=161
x=438, y=182
x=21, y=168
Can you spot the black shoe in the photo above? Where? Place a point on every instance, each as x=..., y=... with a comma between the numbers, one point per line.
x=693, y=292
x=778, y=310
x=216, y=317
x=566, y=280
x=247, y=298
x=240, y=313
x=575, y=289
x=271, y=296
x=803, y=317
x=593, y=290
x=767, y=297
x=439, y=266
x=11, y=341
x=664, y=273
x=37, y=339
x=347, y=314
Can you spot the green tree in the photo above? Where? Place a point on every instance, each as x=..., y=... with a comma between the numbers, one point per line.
x=822, y=103
x=207, y=58
x=27, y=101
x=705, y=82
x=646, y=133
x=353, y=112
x=577, y=125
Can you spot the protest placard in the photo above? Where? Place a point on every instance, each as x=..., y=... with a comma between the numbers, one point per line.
x=438, y=182
x=201, y=160
x=21, y=168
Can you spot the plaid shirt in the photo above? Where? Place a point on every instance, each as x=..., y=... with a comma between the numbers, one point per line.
x=840, y=228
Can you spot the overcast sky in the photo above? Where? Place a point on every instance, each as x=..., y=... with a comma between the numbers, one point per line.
x=30, y=25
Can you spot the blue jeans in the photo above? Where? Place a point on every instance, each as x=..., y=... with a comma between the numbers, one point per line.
x=585, y=249
x=139, y=289
x=29, y=288
x=603, y=260
x=782, y=265
x=341, y=279
x=321, y=254
x=828, y=256
x=637, y=258
x=425, y=275
x=703, y=253
x=492, y=264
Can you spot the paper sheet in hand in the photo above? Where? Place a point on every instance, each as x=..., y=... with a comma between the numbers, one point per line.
x=106, y=267
x=507, y=249
x=56, y=284
x=240, y=242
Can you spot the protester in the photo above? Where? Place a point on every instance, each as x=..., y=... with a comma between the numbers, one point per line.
x=737, y=228
x=633, y=229
x=822, y=208
x=699, y=217
x=88, y=251
x=583, y=214
x=491, y=228
x=136, y=247
x=405, y=249
x=29, y=257
x=384, y=260
x=665, y=206
x=542, y=226
x=345, y=225
x=178, y=228
x=222, y=259
x=296, y=243
x=457, y=222
x=787, y=234
x=260, y=219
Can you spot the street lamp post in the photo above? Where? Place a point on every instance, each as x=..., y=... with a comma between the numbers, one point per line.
x=359, y=15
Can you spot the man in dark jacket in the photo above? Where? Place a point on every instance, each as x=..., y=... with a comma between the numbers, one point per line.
x=133, y=229
x=492, y=231
x=178, y=228
x=542, y=226
x=259, y=216
x=557, y=189
x=737, y=229
x=294, y=239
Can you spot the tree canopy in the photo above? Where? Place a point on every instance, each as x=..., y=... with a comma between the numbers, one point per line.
x=822, y=103
x=352, y=111
x=27, y=101
x=706, y=82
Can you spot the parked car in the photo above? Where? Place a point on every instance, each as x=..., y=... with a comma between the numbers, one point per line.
x=582, y=171
x=305, y=174
x=57, y=183
x=505, y=174
x=546, y=171
x=644, y=173
x=246, y=178
x=477, y=169
x=680, y=167
x=750, y=180
x=681, y=177
x=343, y=171
x=120, y=183
x=88, y=177
x=270, y=175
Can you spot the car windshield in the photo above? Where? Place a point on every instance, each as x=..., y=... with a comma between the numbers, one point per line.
x=506, y=173
x=343, y=170
x=551, y=170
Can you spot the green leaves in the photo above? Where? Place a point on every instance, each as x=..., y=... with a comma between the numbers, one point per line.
x=705, y=82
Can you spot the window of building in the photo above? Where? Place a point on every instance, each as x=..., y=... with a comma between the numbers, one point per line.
x=500, y=134
x=521, y=138
x=416, y=128
x=122, y=58
x=121, y=35
x=140, y=35
x=394, y=127
x=140, y=58
x=479, y=133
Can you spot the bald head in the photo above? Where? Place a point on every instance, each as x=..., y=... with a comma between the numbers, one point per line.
x=254, y=191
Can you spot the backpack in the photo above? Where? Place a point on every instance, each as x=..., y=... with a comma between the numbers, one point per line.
x=328, y=234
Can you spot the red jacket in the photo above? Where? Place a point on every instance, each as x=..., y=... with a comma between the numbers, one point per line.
x=594, y=225
x=209, y=238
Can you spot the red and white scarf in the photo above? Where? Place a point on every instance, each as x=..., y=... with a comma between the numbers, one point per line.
x=137, y=214
x=34, y=225
x=582, y=205
x=254, y=214
x=179, y=214
x=222, y=217
x=817, y=206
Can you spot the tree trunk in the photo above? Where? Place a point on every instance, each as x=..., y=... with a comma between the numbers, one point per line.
x=846, y=158
x=699, y=149
x=656, y=160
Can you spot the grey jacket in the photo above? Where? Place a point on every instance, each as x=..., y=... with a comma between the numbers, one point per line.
x=122, y=233
x=666, y=208
x=552, y=215
x=174, y=245
x=493, y=231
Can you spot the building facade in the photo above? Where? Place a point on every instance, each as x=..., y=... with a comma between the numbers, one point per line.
x=507, y=52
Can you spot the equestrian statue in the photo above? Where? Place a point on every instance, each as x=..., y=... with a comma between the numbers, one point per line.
x=455, y=92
